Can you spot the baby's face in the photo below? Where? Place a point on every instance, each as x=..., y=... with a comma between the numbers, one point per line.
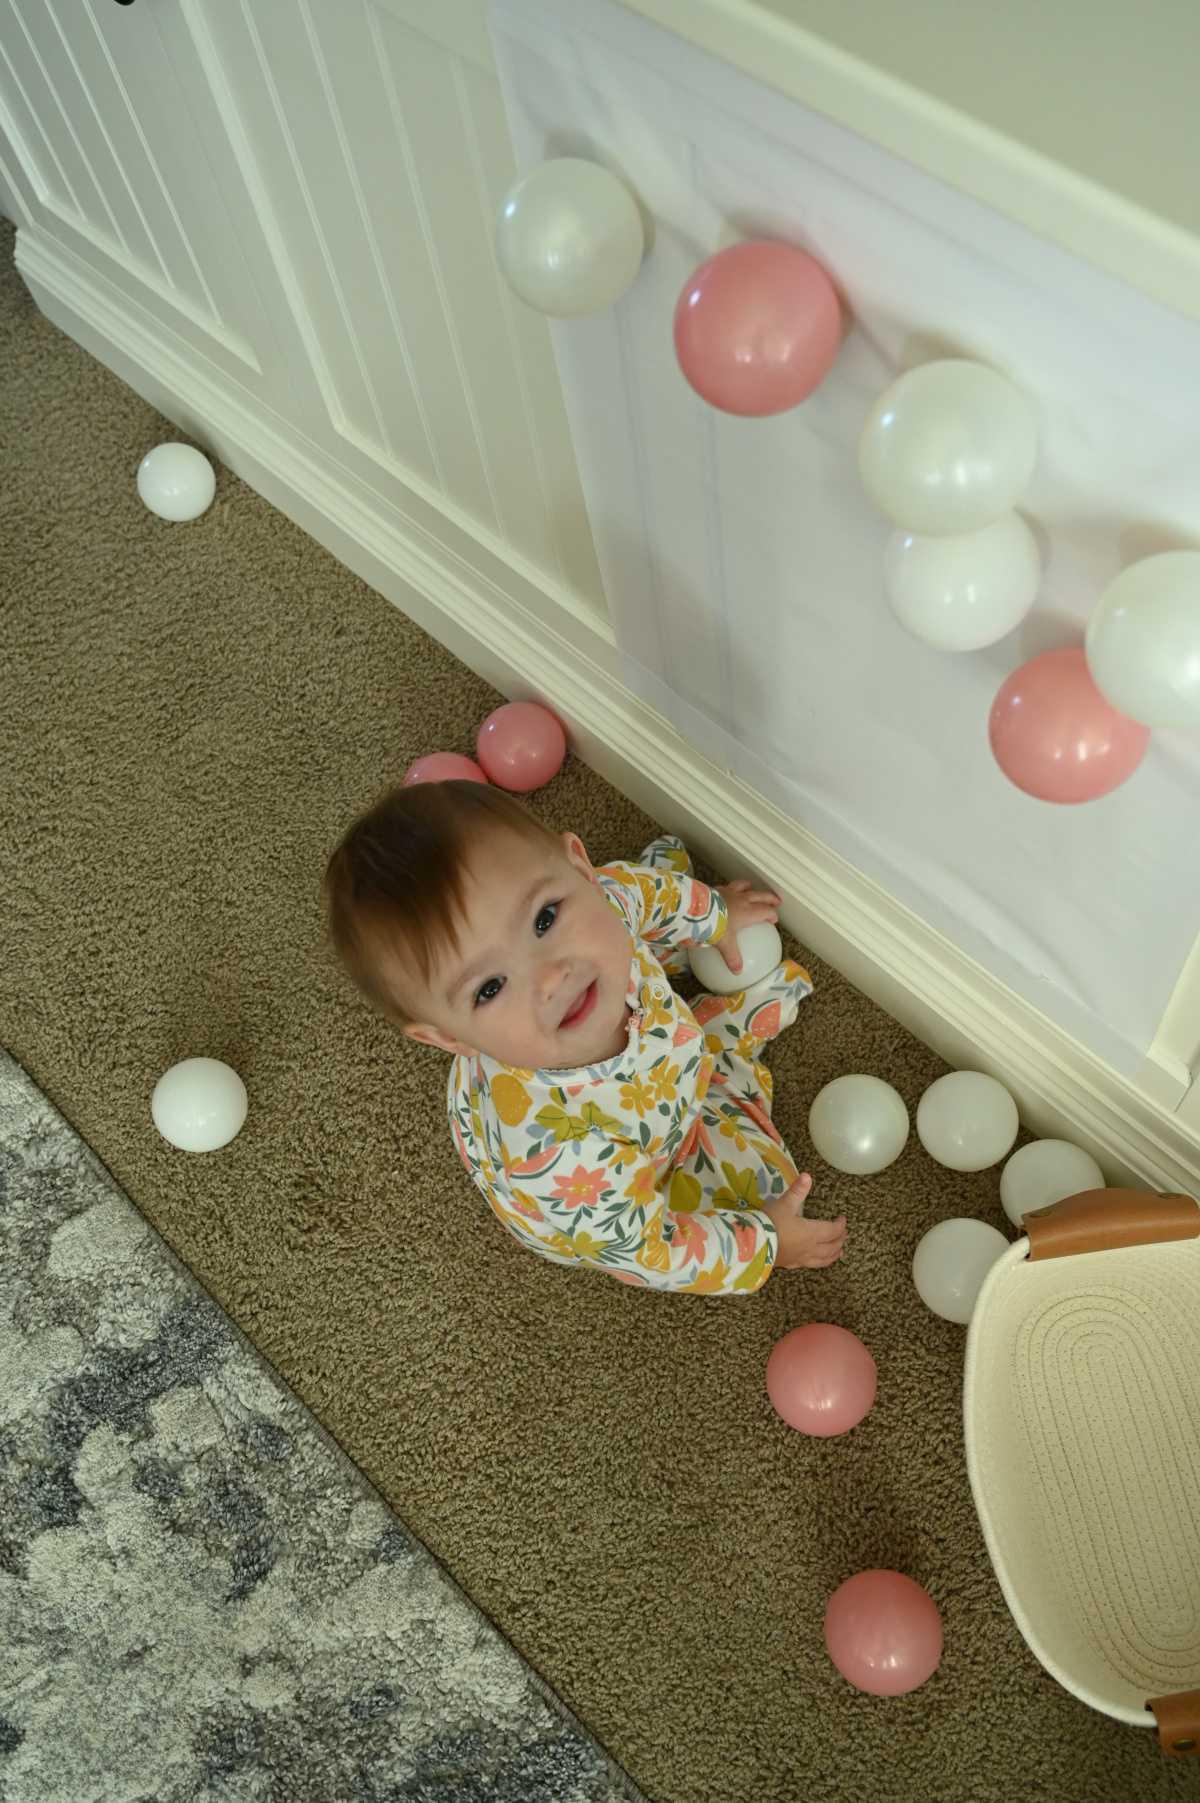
x=542, y=967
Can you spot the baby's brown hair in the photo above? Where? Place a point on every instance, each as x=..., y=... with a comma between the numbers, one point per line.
x=394, y=884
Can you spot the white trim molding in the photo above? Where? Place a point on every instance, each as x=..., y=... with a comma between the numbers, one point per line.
x=507, y=622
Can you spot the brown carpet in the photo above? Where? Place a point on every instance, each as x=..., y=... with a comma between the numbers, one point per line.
x=191, y=713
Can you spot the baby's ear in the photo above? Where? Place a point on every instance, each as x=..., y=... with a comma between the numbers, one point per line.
x=577, y=856
x=443, y=1042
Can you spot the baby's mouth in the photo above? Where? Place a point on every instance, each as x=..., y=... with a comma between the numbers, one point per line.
x=580, y=1008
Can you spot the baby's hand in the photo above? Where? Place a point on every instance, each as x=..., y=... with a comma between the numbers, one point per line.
x=804, y=1245
x=745, y=906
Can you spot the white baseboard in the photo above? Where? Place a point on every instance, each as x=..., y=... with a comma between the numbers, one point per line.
x=514, y=630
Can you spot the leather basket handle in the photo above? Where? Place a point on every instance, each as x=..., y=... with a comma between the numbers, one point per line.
x=1101, y=1220
x=1178, y=1719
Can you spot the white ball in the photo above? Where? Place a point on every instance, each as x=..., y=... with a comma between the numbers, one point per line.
x=1044, y=1172
x=199, y=1105
x=967, y=591
x=948, y=448
x=967, y=1121
x=950, y=1264
x=761, y=949
x=176, y=481
x=570, y=238
x=858, y=1124
x=1143, y=640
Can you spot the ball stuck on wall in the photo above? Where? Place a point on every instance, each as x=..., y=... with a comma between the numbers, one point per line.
x=757, y=327
x=570, y=238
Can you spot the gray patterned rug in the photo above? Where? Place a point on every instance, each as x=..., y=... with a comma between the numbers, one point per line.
x=199, y=1595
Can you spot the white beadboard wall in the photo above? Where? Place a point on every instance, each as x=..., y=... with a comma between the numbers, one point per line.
x=305, y=194
x=745, y=564
x=383, y=146
x=274, y=219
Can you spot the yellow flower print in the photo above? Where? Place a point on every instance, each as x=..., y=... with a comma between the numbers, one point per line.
x=684, y=1192
x=661, y=895
x=644, y=1184
x=624, y=1152
x=654, y=1254
x=655, y=1012
x=746, y=1047
x=630, y=1151
x=590, y=1119
x=637, y=1096
x=709, y=1282
x=585, y=1245
x=650, y=971
x=512, y=1099
x=703, y=1078
x=739, y=1189
x=558, y=1242
x=731, y=1129
x=766, y=1081
x=664, y=1076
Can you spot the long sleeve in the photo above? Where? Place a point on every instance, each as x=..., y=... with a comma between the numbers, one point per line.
x=665, y=907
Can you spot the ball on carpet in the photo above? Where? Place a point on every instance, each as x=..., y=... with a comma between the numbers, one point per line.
x=858, y=1124
x=951, y=1262
x=883, y=1632
x=176, y=481
x=521, y=746
x=821, y=1379
x=199, y=1104
x=443, y=767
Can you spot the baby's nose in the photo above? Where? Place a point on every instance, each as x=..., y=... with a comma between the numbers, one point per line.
x=554, y=974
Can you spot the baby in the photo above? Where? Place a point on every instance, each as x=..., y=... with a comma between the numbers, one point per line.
x=606, y=1121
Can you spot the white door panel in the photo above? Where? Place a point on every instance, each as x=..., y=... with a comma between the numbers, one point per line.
x=98, y=110
x=373, y=141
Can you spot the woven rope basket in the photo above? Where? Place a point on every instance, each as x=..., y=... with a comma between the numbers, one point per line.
x=1082, y=1419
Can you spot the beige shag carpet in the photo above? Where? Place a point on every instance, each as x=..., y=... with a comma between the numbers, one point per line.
x=191, y=714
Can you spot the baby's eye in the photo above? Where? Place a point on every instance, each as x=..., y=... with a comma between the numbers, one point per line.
x=546, y=918
x=487, y=992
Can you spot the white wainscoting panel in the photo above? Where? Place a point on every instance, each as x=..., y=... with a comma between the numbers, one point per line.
x=100, y=120
x=743, y=561
x=373, y=138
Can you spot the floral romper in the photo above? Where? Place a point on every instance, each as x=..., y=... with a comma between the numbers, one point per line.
x=653, y=1165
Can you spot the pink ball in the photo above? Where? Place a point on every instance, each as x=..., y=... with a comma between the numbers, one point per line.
x=521, y=746
x=444, y=767
x=883, y=1632
x=821, y=1379
x=757, y=327
x=1055, y=736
